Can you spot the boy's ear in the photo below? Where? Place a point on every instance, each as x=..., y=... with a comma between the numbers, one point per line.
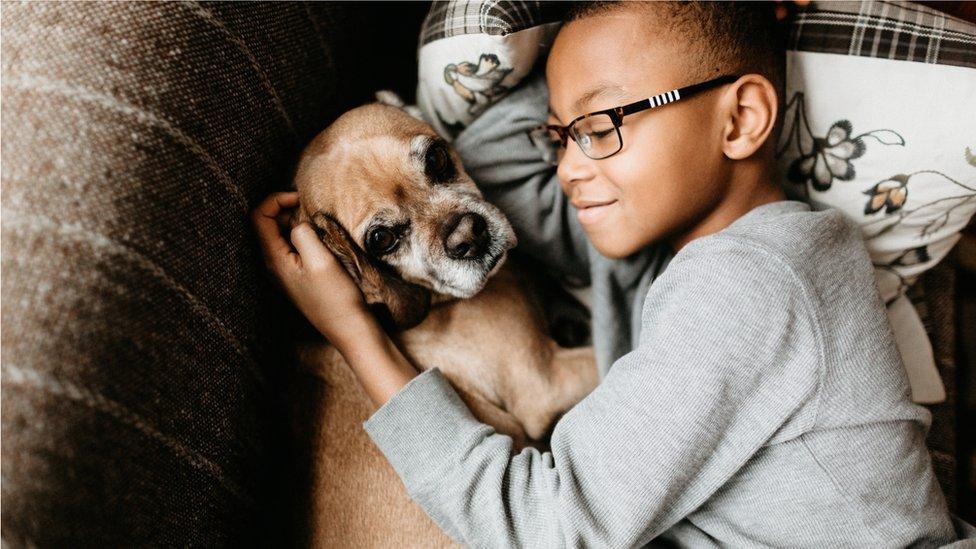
x=750, y=106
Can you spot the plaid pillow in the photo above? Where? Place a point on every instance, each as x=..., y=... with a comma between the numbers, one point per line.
x=878, y=124
x=455, y=18
x=887, y=30
x=472, y=53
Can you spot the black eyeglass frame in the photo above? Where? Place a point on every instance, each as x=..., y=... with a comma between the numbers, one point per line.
x=617, y=114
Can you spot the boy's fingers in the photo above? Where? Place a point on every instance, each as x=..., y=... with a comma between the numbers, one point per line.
x=273, y=245
x=276, y=202
x=284, y=219
x=310, y=248
x=265, y=216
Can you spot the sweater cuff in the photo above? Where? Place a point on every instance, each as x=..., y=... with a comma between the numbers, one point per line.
x=424, y=429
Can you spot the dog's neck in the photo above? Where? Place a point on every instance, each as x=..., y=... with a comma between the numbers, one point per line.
x=438, y=299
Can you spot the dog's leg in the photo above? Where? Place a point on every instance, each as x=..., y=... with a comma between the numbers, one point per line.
x=574, y=375
x=569, y=376
x=503, y=422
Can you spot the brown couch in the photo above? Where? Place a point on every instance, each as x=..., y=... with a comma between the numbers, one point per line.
x=142, y=343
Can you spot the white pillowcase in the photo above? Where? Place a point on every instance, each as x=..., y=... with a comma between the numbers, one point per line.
x=889, y=143
x=461, y=75
x=472, y=53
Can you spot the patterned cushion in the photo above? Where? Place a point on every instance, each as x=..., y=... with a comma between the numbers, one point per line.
x=472, y=53
x=139, y=358
x=878, y=124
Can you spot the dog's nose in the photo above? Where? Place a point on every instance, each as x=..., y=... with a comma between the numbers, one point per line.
x=466, y=236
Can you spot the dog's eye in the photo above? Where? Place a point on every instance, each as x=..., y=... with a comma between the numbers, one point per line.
x=437, y=164
x=381, y=241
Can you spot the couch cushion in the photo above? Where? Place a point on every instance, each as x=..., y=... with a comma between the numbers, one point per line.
x=139, y=356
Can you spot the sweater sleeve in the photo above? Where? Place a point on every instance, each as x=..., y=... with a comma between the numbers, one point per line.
x=728, y=361
x=498, y=155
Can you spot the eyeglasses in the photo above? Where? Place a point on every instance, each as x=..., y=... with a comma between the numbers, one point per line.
x=598, y=133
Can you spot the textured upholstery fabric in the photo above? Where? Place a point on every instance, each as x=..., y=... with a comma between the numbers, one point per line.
x=138, y=374
x=936, y=295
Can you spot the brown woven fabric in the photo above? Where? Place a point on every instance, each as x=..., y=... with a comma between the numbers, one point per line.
x=138, y=370
x=934, y=297
x=965, y=388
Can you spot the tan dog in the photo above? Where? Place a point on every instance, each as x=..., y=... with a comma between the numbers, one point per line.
x=392, y=202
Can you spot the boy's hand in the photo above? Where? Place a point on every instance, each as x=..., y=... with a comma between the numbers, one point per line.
x=309, y=274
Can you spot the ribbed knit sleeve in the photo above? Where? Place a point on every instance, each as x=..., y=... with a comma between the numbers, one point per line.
x=713, y=380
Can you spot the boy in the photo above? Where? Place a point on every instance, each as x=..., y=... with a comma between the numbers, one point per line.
x=752, y=395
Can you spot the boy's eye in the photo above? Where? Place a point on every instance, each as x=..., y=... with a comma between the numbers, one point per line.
x=597, y=126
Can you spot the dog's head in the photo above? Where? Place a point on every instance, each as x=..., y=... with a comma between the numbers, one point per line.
x=391, y=200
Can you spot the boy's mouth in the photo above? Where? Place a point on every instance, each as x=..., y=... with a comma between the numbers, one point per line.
x=589, y=211
x=584, y=203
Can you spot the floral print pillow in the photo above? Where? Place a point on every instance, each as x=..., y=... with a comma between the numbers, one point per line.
x=880, y=123
x=890, y=143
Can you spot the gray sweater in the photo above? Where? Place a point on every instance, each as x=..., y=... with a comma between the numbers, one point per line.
x=752, y=395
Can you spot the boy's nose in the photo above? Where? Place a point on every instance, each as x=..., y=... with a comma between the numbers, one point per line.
x=574, y=167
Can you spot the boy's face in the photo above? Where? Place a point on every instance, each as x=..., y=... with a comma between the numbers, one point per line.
x=671, y=171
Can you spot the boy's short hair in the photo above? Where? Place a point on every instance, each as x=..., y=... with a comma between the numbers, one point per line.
x=725, y=37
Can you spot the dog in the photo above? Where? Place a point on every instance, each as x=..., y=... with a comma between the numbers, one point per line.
x=391, y=200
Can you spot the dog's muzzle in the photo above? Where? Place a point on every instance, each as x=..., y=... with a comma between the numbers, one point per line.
x=466, y=236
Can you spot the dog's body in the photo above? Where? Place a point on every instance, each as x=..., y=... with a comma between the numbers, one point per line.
x=492, y=349
x=492, y=345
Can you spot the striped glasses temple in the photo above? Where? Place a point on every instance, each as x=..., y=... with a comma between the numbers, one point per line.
x=674, y=95
x=666, y=97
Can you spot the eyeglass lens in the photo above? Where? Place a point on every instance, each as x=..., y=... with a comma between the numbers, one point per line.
x=596, y=136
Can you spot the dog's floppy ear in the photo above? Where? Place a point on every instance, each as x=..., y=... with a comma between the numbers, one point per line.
x=391, y=98
x=398, y=304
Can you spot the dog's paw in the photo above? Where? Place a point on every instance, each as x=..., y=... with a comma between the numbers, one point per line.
x=391, y=98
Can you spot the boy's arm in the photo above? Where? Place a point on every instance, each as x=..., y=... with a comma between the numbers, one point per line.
x=497, y=154
x=714, y=378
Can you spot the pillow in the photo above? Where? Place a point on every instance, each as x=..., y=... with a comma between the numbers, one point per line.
x=859, y=134
x=879, y=124
x=472, y=53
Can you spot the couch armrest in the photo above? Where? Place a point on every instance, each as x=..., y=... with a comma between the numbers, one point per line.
x=138, y=367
